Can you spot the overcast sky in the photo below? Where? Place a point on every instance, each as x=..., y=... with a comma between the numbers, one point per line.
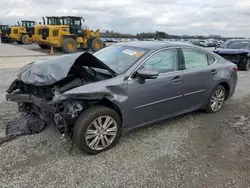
x=222, y=17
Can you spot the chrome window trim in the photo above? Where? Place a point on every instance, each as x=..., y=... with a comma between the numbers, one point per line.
x=177, y=47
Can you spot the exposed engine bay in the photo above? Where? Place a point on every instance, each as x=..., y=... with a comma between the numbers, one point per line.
x=35, y=97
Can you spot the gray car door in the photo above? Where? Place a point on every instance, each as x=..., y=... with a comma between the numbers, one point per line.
x=198, y=77
x=159, y=98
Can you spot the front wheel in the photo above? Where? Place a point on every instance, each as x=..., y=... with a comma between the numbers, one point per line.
x=95, y=44
x=217, y=99
x=97, y=129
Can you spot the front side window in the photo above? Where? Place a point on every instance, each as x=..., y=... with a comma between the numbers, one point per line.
x=163, y=61
x=194, y=58
x=77, y=22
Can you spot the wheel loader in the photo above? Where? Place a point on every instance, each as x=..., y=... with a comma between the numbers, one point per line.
x=35, y=32
x=3, y=32
x=19, y=33
x=71, y=36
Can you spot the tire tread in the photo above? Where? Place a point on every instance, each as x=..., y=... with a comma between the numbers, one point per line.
x=83, y=122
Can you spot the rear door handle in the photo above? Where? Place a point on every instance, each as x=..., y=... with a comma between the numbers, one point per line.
x=176, y=79
x=213, y=72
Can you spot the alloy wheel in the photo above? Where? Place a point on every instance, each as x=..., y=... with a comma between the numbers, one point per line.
x=101, y=133
x=217, y=100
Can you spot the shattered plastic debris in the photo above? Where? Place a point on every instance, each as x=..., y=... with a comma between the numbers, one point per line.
x=25, y=124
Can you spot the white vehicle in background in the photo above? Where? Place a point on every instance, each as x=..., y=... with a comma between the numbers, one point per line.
x=203, y=43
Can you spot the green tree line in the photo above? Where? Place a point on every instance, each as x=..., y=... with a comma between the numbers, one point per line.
x=159, y=34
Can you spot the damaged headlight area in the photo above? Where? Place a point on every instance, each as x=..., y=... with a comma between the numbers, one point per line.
x=238, y=58
x=64, y=119
x=37, y=111
x=35, y=120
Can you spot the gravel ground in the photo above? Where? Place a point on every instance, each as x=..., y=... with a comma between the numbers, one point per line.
x=193, y=150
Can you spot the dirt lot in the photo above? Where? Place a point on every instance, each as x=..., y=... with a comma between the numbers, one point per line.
x=194, y=150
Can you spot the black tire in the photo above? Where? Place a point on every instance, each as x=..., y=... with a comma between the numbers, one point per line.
x=43, y=46
x=4, y=39
x=246, y=64
x=84, y=121
x=19, y=42
x=208, y=108
x=25, y=40
x=69, y=42
x=104, y=44
x=95, y=44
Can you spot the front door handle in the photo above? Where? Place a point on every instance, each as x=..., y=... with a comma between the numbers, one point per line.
x=176, y=79
x=213, y=72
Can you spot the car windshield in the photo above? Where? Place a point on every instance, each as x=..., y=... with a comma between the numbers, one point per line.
x=120, y=58
x=237, y=45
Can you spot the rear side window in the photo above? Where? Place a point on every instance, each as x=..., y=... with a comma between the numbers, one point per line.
x=196, y=58
x=210, y=59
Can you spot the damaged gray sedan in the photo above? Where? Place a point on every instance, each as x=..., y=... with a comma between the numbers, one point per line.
x=95, y=98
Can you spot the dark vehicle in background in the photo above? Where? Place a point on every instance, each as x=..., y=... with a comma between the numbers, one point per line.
x=236, y=51
x=97, y=98
x=3, y=33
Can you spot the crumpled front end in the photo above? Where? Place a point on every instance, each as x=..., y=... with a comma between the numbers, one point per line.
x=37, y=112
x=237, y=56
x=238, y=59
x=42, y=91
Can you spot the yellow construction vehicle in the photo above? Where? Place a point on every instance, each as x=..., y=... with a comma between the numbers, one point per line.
x=19, y=33
x=71, y=36
x=35, y=32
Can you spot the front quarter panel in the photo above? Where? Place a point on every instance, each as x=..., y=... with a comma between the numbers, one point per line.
x=114, y=89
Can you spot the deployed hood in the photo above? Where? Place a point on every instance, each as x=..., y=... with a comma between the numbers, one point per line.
x=231, y=51
x=48, y=72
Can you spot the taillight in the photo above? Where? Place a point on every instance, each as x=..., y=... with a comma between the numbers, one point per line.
x=235, y=68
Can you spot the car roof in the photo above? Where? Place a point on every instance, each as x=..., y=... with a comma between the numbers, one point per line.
x=154, y=45
x=246, y=40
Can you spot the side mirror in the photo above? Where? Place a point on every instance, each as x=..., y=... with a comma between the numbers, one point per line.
x=147, y=73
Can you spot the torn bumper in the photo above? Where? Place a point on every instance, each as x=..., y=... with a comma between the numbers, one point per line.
x=28, y=98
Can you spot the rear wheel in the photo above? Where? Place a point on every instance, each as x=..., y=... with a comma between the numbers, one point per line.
x=216, y=100
x=95, y=44
x=69, y=45
x=97, y=129
x=246, y=64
